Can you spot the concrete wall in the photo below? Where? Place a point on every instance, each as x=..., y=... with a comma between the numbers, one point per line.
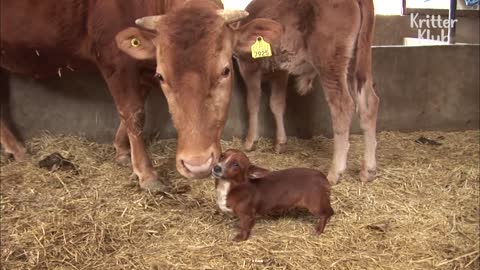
x=421, y=88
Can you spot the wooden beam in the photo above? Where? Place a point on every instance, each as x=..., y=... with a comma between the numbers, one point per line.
x=452, y=16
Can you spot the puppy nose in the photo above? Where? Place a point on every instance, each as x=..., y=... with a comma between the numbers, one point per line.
x=217, y=169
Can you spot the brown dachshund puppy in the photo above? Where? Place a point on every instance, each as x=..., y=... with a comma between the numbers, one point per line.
x=246, y=190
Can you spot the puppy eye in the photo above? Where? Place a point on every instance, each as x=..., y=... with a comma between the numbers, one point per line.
x=235, y=164
x=221, y=156
x=226, y=72
x=159, y=77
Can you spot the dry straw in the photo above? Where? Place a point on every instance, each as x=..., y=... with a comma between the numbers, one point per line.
x=421, y=213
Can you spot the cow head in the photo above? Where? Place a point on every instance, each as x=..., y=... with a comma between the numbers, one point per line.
x=193, y=48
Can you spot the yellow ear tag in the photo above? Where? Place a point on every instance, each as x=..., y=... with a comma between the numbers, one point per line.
x=135, y=42
x=261, y=48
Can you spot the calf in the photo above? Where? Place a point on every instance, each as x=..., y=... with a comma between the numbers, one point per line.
x=328, y=38
x=246, y=190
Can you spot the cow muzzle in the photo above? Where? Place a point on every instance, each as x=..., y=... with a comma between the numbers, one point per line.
x=196, y=166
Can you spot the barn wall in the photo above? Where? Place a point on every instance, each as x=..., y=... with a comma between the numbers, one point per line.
x=421, y=88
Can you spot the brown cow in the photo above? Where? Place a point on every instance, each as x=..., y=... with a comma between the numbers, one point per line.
x=193, y=50
x=330, y=38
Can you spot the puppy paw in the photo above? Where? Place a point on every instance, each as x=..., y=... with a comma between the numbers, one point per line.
x=317, y=232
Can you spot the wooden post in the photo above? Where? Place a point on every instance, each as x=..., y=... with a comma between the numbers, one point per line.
x=452, y=15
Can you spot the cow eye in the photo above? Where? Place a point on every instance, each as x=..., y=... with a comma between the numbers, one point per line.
x=159, y=77
x=226, y=72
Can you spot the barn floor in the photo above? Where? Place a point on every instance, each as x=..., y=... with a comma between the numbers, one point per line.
x=421, y=213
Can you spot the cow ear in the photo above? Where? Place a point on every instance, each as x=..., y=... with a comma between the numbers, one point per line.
x=246, y=35
x=255, y=172
x=136, y=43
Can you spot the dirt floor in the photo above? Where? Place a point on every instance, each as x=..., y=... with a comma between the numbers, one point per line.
x=422, y=212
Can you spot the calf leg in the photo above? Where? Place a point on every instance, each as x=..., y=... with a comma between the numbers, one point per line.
x=10, y=143
x=368, y=102
x=123, y=85
x=333, y=69
x=253, y=81
x=277, y=105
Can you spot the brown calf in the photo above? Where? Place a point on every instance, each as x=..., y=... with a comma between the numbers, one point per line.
x=328, y=38
x=247, y=190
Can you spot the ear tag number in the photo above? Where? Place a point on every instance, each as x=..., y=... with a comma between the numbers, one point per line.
x=261, y=48
x=135, y=42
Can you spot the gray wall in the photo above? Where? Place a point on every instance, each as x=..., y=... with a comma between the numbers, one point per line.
x=421, y=88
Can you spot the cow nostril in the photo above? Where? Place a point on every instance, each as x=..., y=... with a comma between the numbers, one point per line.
x=195, y=167
x=217, y=169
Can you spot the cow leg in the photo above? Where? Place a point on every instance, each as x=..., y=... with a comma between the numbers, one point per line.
x=333, y=71
x=368, y=102
x=10, y=143
x=253, y=82
x=123, y=85
x=121, y=142
x=277, y=105
x=122, y=145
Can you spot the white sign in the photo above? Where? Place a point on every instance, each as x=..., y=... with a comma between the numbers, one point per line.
x=235, y=4
x=425, y=25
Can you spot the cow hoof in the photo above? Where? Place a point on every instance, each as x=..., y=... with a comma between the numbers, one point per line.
x=249, y=146
x=333, y=178
x=367, y=175
x=123, y=160
x=20, y=154
x=153, y=185
x=134, y=177
x=280, y=148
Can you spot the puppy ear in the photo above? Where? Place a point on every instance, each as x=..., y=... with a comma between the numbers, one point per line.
x=255, y=172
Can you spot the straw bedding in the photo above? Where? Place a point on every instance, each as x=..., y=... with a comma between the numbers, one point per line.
x=422, y=212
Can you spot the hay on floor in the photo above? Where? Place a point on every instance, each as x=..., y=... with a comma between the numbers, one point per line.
x=421, y=213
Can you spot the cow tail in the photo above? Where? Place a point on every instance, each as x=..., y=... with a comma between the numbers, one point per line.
x=363, y=53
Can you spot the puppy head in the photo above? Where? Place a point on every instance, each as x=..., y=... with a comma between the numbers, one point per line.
x=235, y=166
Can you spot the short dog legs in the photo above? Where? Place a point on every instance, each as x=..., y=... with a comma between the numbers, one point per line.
x=245, y=227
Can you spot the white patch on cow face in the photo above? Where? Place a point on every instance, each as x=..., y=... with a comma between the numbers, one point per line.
x=223, y=188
